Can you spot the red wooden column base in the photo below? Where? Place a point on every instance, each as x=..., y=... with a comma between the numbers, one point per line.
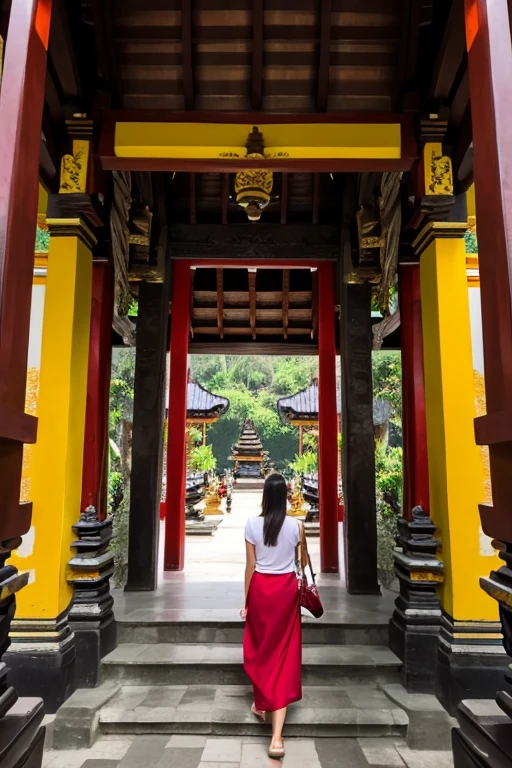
x=416, y=488
x=94, y=478
x=328, y=423
x=174, y=555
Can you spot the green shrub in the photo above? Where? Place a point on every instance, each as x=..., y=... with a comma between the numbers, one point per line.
x=305, y=464
x=201, y=459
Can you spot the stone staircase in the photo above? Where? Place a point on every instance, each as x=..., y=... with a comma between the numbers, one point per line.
x=187, y=678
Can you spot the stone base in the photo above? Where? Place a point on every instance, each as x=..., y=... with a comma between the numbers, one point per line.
x=41, y=661
x=92, y=643
x=471, y=661
x=416, y=646
x=462, y=674
x=484, y=739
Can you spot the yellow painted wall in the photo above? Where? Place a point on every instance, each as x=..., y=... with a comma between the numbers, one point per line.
x=455, y=464
x=58, y=454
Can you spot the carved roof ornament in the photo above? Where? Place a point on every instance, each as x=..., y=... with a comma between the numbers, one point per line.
x=254, y=187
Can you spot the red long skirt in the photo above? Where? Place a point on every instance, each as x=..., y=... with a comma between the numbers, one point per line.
x=273, y=641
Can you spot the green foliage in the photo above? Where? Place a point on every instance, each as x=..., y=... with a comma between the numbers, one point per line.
x=305, y=464
x=388, y=476
x=253, y=385
x=310, y=441
x=386, y=532
x=121, y=390
x=470, y=241
x=119, y=544
x=121, y=412
x=387, y=382
x=42, y=240
x=201, y=459
x=195, y=434
x=133, y=309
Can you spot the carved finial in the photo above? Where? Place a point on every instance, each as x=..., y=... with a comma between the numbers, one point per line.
x=418, y=513
x=89, y=515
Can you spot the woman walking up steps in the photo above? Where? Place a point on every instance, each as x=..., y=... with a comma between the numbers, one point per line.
x=273, y=634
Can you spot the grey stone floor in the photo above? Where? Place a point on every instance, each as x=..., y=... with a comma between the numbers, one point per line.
x=211, y=586
x=204, y=752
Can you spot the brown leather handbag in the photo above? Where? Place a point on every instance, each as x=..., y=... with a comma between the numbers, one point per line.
x=309, y=597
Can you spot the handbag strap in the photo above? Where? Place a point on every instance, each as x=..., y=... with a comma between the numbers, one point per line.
x=305, y=559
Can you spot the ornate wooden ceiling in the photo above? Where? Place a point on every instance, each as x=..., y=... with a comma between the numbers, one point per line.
x=249, y=304
x=271, y=55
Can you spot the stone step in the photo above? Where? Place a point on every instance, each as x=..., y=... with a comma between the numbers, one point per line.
x=156, y=664
x=217, y=630
x=357, y=710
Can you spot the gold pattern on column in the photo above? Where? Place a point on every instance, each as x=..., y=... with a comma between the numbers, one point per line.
x=438, y=170
x=73, y=169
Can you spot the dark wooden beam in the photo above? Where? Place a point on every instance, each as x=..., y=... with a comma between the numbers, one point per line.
x=284, y=197
x=411, y=20
x=220, y=301
x=252, y=300
x=291, y=243
x=160, y=195
x=286, y=300
x=259, y=347
x=101, y=16
x=192, y=194
x=148, y=423
x=257, y=54
x=360, y=524
x=463, y=154
x=316, y=197
x=451, y=54
x=186, y=54
x=322, y=96
x=62, y=55
x=225, y=197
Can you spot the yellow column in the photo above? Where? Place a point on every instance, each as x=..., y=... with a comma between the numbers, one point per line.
x=455, y=462
x=56, y=469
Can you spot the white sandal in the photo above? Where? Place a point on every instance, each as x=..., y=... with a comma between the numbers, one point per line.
x=258, y=713
x=277, y=753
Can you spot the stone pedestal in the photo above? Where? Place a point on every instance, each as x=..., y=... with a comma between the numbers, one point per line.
x=91, y=616
x=415, y=625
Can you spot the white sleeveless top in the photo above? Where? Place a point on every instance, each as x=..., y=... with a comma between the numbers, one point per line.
x=278, y=559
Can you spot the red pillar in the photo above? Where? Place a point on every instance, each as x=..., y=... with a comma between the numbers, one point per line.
x=416, y=489
x=490, y=73
x=94, y=478
x=21, y=109
x=174, y=556
x=328, y=423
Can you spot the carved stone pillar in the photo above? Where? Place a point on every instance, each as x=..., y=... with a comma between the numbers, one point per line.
x=91, y=618
x=414, y=628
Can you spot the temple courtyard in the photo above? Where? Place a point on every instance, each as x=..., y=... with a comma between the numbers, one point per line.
x=174, y=694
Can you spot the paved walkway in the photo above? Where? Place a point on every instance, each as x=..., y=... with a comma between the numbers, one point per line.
x=211, y=590
x=211, y=586
x=203, y=752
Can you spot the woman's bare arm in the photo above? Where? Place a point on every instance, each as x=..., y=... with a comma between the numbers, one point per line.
x=250, y=564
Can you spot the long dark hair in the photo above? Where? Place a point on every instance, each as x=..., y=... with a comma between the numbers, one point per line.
x=273, y=507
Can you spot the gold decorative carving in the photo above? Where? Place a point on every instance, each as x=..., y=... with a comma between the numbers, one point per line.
x=31, y=397
x=73, y=169
x=253, y=186
x=353, y=278
x=438, y=170
x=481, y=410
